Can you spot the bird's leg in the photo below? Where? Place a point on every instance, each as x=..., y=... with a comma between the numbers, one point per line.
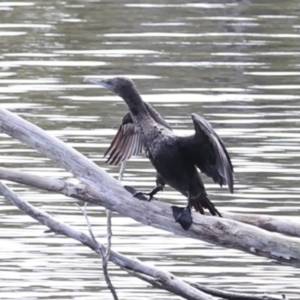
x=160, y=184
x=122, y=170
x=141, y=195
x=157, y=189
x=183, y=215
x=133, y=192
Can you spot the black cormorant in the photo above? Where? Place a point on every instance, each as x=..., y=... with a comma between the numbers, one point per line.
x=175, y=158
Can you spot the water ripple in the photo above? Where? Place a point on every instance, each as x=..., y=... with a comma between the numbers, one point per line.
x=235, y=63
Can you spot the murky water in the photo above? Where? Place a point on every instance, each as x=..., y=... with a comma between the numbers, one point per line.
x=234, y=62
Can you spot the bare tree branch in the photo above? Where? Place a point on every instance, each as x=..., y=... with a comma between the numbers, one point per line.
x=269, y=223
x=36, y=181
x=158, y=278
x=211, y=291
x=99, y=188
x=232, y=295
x=158, y=283
x=59, y=227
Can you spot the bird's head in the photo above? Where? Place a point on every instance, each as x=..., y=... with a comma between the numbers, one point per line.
x=118, y=85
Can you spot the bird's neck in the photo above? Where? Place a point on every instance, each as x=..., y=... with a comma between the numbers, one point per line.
x=136, y=105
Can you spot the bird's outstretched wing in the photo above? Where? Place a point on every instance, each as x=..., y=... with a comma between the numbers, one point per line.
x=126, y=143
x=209, y=153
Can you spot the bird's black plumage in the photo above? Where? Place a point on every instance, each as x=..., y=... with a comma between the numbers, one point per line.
x=174, y=157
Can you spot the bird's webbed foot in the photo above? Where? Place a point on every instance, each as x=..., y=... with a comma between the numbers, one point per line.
x=135, y=193
x=183, y=216
x=150, y=194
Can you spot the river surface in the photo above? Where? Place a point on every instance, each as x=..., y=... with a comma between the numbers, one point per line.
x=234, y=62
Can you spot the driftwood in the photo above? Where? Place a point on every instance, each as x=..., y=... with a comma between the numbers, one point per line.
x=156, y=277
x=97, y=187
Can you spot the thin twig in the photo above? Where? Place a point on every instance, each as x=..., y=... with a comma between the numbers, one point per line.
x=101, y=251
x=109, y=234
x=109, y=216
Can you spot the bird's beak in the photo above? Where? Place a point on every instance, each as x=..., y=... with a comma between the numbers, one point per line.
x=97, y=81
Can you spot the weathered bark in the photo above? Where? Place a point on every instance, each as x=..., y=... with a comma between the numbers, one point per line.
x=156, y=277
x=100, y=188
x=269, y=223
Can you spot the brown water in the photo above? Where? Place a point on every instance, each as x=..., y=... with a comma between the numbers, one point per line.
x=235, y=62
